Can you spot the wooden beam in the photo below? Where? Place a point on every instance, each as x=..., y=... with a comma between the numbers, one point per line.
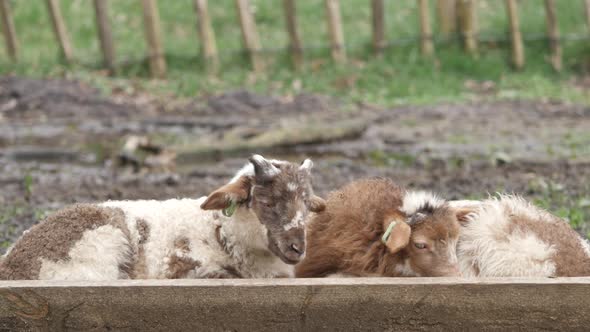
x=342, y=304
x=152, y=29
x=378, y=16
x=587, y=3
x=207, y=36
x=468, y=24
x=59, y=28
x=515, y=34
x=447, y=17
x=426, y=41
x=8, y=30
x=105, y=35
x=295, y=45
x=250, y=35
x=553, y=35
x=335, y=31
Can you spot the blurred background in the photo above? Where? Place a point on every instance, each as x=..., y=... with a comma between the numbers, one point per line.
x=129, y=99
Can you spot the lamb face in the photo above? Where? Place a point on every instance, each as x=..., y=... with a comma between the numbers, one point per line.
x=432, y=250
x=430, y=241
x=280, y=195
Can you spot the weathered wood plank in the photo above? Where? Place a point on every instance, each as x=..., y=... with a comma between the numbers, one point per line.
x=426, y=42
x=295, y=44
x=468, y=24
x=8, y=30
x=105, y=35
x=515, y=34
x=153, y=36
x=335, y=30
x=207, y=36
x=304, y=131
x=553, y=34
x=59, y=28
x=250, y=35
x=378, y=20
x=367, y=304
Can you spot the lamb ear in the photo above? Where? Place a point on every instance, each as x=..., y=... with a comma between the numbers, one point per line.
x=399, y=236
x=306, y=165
x=317, y=204
x=222, y=198
x=263, y=169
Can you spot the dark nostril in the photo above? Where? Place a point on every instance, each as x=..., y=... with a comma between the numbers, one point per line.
x=296, y=249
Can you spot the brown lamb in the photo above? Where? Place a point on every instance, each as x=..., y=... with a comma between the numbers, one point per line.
x=346, y=239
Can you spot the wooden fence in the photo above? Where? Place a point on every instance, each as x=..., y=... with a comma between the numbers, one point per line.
x=315, y=304
x=454, y=16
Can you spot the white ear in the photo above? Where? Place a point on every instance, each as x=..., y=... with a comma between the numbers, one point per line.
x=306, y=165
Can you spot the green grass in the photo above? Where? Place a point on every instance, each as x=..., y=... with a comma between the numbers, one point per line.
x=574, y=209
x=401, y=76
x=19, y=211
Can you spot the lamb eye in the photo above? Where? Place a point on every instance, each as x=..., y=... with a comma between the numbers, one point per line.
x=420, y=245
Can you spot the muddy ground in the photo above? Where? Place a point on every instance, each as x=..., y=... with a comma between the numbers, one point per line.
x=63, y=142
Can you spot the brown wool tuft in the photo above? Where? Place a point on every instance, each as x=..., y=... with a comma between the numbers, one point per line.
x=180, y=266
x=53, y=238
x=140, y=270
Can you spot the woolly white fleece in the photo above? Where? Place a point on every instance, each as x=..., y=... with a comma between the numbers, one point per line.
x=103, y=250
x=488, y=248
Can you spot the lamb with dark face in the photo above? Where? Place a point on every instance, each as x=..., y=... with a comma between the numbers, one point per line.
x=256, y=230
x=280, y=195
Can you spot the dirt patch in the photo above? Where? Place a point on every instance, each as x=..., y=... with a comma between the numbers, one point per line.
x=59, y=142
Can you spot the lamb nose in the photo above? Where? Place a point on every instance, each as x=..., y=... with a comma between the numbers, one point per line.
x=296, y=249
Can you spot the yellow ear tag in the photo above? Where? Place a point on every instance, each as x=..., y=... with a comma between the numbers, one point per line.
x=229, y=211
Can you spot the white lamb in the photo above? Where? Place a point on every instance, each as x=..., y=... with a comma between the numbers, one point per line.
x=510, y=237
x=252, y=227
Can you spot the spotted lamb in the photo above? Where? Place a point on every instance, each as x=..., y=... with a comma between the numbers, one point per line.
x=510, y=237
x=252, y=227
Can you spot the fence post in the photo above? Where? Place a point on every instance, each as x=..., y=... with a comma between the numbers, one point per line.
x=515, y=35
x=426, y=45
x=447, y=17
x=105, y=36
x=250, y=35
x=59, y=28
x=151, y=23
x=335, y=30
x=295, y=45
x=468, y=24
x=553, y=34
x=207, y=35
x=587, y=2
x=378, y=11
x=8, y=30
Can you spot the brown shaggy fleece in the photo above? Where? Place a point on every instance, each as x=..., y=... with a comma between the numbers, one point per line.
x=346, y=236
x=53, y=238
x=570, y=258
